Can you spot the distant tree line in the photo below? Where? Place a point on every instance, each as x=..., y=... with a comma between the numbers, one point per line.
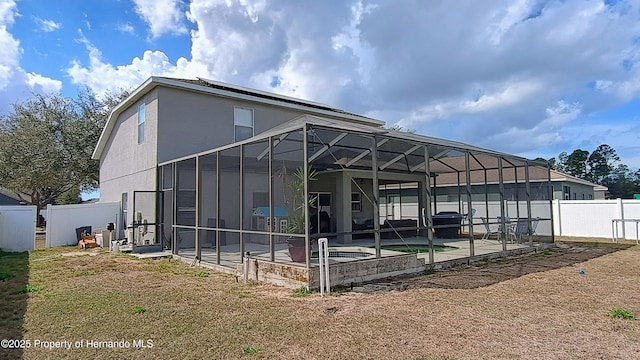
x=602, y=166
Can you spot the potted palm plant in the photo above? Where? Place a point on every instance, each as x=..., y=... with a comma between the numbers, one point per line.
x=296, y=206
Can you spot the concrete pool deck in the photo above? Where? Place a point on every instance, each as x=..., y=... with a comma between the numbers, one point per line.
x=283, y=271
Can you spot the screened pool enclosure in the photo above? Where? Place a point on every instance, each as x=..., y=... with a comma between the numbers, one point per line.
x=370, y=191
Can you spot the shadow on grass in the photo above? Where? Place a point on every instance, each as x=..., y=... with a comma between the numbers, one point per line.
x=14, y=278
x=483, y=274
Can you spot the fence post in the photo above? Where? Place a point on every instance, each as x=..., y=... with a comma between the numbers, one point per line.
x=621, y=215
x=323, y=260
x=557, y=218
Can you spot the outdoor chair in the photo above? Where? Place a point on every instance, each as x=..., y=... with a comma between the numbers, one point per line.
x=488, y=229
x=521, y=228
x=469, y=215
x=507, y=222
x=534, y=225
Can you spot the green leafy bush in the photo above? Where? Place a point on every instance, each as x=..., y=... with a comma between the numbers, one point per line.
x=301, y=292
x=251, y=350
x=621, y=313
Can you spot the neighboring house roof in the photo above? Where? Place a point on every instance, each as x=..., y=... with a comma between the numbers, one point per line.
x=225, y=90
x=600, y=188
x=8, y=197
x=537, y=173
x=560, y=176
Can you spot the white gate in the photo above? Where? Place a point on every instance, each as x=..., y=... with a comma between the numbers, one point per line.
x=62, y=220
x=17, y=228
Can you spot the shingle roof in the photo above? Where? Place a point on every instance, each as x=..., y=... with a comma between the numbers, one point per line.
x=221, y=89
x=267, y=95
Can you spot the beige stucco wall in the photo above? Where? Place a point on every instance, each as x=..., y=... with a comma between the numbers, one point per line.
x=192, y=122
x=125, y=165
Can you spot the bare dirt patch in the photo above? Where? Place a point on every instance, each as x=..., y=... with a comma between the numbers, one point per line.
x=495, y=271
x=41, y=240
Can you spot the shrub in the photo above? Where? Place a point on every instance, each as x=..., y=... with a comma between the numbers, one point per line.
x=301, y=292
x=251, y=350
x=201, y=274
x=621, y=314
x=29, y=289
x=5, y=275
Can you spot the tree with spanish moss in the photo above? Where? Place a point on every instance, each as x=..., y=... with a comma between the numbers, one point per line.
x=46, y=143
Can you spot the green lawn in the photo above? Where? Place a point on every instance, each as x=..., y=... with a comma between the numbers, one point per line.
x=192, y=313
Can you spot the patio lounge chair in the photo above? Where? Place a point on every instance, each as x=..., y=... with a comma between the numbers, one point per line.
x=522, y=228
x=488, y=230
x=466, y=216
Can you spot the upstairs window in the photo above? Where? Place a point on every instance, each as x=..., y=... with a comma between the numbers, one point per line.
x=243, y=123
x=141, y=121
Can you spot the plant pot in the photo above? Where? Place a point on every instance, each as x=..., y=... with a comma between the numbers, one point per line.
x=297, y=250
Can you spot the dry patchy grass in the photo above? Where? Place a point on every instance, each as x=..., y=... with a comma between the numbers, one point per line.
x=522, y=309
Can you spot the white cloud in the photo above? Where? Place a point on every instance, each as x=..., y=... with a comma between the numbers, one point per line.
x=479, y=72
x=126, y=28
x=86, y=21
x=43, y=84
x=152, y=63
x=47, y=25
x=7, y=12
x=9, y=45
x=162, y=16
x=15, y=83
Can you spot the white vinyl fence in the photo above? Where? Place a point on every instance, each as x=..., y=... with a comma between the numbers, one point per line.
x=17, y=228
x=577, y=218
x=592, y=218
x=491, y=210
x=62, y=220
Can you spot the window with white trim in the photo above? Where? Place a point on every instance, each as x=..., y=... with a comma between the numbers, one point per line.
x=141, y=121
x=243, y=123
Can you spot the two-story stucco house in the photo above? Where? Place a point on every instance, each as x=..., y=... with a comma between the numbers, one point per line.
x=215, y=172
x=166, y=119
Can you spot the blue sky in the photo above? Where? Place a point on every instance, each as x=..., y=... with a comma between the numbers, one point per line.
x=528, y=77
